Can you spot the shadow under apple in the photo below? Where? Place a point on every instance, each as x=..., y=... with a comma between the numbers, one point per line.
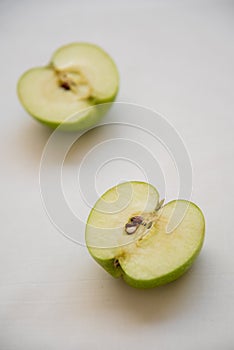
x=156, y=304
x=28, y=141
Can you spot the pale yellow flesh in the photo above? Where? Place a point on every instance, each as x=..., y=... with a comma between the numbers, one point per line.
x=105, y=224
x=40, y=93
x=157, y=253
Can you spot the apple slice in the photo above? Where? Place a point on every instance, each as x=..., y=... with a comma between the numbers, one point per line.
x=79, y=76
x=127, y=234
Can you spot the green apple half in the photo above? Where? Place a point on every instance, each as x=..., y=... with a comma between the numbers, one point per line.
x=127, y=234
x=79, y=76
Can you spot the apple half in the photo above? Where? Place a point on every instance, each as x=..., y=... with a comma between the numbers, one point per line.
x=79, y=77
x=130, y=233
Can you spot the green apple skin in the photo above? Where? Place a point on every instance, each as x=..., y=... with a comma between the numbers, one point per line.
x=117, y=271
x=93, y=115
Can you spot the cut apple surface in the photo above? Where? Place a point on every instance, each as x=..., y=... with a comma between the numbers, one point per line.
x=79, y=77
x=127, y=234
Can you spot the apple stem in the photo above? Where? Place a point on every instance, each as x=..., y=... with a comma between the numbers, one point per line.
x=159, y=205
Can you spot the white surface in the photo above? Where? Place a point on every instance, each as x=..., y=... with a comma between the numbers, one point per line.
x=176, y=57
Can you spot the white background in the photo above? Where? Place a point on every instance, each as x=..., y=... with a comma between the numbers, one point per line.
x=176, y=57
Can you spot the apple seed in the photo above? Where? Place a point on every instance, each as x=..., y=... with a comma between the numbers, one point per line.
x=65, y=85
x=137, y=219
x=130, y=228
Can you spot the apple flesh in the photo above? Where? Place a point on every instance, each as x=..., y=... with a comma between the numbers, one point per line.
x=79, y=76
x=148, y=256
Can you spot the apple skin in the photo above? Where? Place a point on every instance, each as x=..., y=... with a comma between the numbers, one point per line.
x=118, y=272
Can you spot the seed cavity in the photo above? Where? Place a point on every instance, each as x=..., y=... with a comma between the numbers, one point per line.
x=135, y=222
x=76, y=82
x=130, y=228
